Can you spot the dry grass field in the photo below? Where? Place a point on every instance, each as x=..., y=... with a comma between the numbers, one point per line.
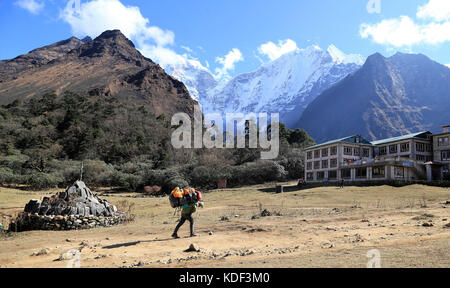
x=321, y=227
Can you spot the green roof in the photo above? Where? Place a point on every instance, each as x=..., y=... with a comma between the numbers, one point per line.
x=350, y=139
x=400, y=138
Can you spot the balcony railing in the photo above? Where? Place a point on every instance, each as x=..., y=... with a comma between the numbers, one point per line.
x=377, y=160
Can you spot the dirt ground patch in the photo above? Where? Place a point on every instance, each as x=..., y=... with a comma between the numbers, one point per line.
x=321, y=227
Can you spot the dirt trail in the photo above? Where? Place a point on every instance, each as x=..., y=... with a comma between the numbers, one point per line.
x=324, y=227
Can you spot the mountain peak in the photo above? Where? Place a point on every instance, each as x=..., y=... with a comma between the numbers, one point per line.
x=112, y=43
x=114, y=36
x=86, y=39
x=374, y=60
x=342, y=58
x=375, y=57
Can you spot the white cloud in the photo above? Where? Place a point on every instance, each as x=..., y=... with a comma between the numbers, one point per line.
x=31, y=6
x=188, y=49
x=228, y=62
x=274, y=51
x=96, y=16
x=438, y=10
x=404, y=31
x=448, y=65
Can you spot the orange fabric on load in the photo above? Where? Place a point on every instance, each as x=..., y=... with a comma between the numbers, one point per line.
x=177, y=193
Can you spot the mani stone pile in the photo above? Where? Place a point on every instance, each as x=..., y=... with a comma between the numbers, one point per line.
x=76, y=208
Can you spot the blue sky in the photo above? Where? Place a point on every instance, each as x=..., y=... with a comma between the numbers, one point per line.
x=209, y=30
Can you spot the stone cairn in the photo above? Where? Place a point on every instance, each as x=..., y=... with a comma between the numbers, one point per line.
x=76, y=208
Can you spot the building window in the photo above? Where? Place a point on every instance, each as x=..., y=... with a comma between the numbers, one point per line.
x=317, y=154
x=346, y=173
x=332, y=175
x=333, y=151
x=445, y=155
x=429, y=148
x=378, y=172
x=420, y=147
x=325, y=152
x=443, y=141
x=366, y=152
x=348, y=151
x=317, y=165
x=404, y=147
x=361, y=173
x=309, y=166
x=393, y=149
x=310, y=176
x=383, y=151
x=356, y=152
x=309, y=155
x=429, y=158
x=399, y=172
x=333, y=163
x=421, y=158
x=320, y=175
x=325, y=164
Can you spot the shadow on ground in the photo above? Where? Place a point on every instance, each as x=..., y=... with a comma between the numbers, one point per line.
x=128, y=244
x=285, y=189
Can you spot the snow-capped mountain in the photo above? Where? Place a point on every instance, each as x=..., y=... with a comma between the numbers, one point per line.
x=195, y=77
x=286, y=85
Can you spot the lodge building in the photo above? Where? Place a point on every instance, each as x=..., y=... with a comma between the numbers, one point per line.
x=418, y=156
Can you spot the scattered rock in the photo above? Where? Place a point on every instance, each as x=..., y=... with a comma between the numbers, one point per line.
x=253, y=230
x=66, y=256
x=101, y=256
x=423, y=217
x=44, y=251
x=266, y=213
x=447, y=225
x=224, y=218
x=427, y=224
x=358, y=238
x=193, y=248
x=327, y=245
x=211, y=233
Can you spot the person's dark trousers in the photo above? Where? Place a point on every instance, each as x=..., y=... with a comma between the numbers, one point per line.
x=185, y=218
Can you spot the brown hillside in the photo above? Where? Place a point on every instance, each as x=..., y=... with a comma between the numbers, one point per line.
x=109, y=65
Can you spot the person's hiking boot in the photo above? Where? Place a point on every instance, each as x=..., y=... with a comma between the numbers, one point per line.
x=175, y=236
x=194, y=235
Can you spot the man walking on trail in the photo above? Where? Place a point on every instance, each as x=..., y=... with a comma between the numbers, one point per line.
x=342, y=183
x=186, y=215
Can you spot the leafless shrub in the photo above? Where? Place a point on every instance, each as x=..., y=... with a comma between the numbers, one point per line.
x=128, y=208
x=423, y=202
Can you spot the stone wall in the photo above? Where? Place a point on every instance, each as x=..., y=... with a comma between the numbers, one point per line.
x=370, y=183
x=28, y=222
